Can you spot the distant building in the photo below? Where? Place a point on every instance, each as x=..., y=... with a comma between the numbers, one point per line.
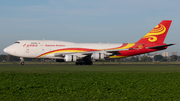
x=174, y=53
x=156, y=53
x=165, y=54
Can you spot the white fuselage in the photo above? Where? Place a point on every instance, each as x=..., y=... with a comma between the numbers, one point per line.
x=48, y=48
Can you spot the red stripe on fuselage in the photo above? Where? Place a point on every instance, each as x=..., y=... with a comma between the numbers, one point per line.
x=79, y=49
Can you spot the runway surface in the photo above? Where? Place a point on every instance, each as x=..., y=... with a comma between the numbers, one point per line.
x=99, y=68
x=91, y=65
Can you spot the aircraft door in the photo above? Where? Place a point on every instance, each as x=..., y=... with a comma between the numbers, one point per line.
x=41, y=42
x=27, y=49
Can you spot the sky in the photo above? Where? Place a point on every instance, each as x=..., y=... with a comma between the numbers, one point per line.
x=87, y=21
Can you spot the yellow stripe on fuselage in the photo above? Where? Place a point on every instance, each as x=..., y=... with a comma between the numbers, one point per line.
x=62, y=51
x=118, y=56
x=129, y=45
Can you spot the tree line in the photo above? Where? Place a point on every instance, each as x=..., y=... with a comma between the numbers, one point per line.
x=160, y=58
x=8, y=58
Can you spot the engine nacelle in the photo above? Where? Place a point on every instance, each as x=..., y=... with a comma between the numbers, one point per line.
x=70, y=58
x=98, y=56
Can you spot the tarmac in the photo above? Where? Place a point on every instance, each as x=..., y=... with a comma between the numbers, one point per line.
x=90, y=65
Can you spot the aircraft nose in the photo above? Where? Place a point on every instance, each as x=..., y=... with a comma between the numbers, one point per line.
x=8, y=50
x=5, y=50
x=12, y=50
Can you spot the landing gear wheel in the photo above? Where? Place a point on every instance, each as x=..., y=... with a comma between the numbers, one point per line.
x=22, y=63
x=77, y=63
x=91, y=63
x=88, y=63
x=81, y=63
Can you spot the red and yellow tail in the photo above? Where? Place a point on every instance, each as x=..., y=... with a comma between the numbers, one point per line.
x=157, y=34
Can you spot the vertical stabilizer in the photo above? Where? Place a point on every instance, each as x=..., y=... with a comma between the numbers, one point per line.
x=157, y=34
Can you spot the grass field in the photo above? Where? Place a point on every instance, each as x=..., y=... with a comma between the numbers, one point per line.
x=89, y=83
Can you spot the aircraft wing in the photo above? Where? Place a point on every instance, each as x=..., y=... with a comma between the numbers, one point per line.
x=83, y=54
x=80, y=54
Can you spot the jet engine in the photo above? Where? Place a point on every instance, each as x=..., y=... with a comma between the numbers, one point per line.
x=98, y=56
x=70, y=58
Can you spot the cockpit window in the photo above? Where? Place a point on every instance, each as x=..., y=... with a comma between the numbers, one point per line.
x=17, y=42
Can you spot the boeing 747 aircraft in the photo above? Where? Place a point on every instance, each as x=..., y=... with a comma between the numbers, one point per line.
x=85, y=53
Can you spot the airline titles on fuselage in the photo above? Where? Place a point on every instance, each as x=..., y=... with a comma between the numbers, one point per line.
x=55, y=45
x=46, y=45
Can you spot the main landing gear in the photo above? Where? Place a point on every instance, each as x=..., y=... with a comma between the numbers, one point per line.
x=22, y=61
x=84, y=61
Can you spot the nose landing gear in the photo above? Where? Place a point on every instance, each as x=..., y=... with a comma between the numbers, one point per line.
x=22, y=61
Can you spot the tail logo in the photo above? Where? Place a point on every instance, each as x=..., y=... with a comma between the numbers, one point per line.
x=158, y=30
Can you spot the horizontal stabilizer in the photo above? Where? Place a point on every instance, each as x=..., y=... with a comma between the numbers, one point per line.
x=161, y=46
